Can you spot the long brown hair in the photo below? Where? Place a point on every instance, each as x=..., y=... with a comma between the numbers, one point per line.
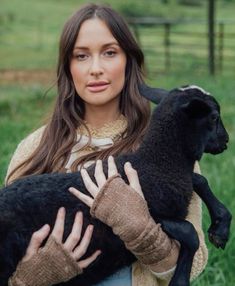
x=60, y=133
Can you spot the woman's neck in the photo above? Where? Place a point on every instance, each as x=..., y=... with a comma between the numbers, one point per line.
x=98, y=117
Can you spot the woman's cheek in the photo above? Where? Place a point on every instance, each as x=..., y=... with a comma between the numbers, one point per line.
x=118, y=68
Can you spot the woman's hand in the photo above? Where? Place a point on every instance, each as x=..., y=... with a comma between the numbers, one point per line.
x=94, y=188
x=124, y=209
x=56, y=262
x=75, y=250
x=115, y=203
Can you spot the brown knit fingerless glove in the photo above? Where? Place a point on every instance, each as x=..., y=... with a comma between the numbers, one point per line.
x=126, y=212
x=51, y=265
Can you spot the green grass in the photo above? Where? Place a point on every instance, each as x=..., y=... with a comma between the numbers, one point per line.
x=22, y=109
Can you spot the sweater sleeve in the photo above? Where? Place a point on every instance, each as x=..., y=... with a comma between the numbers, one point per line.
x=201, y=256
x=24, y=149
x=195, y=217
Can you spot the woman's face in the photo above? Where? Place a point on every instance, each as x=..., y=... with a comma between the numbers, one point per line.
x=98, y=65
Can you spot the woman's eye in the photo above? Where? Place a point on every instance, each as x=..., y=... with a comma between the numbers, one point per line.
x=81, y=57
x=110, y=53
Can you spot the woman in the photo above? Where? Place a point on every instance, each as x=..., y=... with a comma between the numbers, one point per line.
x=99, y=112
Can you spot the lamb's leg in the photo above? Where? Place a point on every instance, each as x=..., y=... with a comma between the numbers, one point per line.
x=185, y=233
x=220, y=216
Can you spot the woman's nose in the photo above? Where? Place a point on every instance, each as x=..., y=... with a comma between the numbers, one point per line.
x=96, y=67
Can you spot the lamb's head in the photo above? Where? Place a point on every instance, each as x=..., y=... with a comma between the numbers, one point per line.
x=203, y=112
x=198, y=119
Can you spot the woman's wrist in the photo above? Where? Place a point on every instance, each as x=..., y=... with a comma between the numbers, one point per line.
x=168, y=263
x=52, y=264
x=111, y=206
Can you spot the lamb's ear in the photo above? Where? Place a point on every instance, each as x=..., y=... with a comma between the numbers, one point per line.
x=196, y=108
x=153, y=94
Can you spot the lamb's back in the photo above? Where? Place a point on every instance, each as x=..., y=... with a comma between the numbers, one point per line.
x=167, y=192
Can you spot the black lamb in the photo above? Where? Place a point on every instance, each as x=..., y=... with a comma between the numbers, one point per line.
x=185, y=124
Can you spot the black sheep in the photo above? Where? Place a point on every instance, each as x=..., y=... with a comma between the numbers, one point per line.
x=185, y=124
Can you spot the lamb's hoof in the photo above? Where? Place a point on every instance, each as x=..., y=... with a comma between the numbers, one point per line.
x=219, y=234
x=217, y=240
x=219, y=230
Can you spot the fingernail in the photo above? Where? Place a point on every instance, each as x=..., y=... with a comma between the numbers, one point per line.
x=62, y=210
x=91, y=227
x=46, y=226
x=79, y=213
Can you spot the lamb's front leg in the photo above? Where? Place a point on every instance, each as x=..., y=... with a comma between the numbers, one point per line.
x=220, y=216
x=185, y=233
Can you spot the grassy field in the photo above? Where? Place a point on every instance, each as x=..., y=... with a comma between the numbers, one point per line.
x=29, y=33
x=30, y=40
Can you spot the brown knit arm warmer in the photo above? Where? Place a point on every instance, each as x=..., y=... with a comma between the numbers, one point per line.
x=51, y=265
x=126, y=212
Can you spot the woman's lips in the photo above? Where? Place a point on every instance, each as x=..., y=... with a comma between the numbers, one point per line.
x=98, y=87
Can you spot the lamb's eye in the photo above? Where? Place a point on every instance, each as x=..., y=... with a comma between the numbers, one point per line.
x=214, y=117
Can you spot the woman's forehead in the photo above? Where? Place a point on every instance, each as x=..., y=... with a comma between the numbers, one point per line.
x=94, y=31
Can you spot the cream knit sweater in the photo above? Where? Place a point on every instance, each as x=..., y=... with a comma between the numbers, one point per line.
x=104, y=137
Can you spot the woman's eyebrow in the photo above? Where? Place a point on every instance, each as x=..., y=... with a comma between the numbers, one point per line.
x=103, y=46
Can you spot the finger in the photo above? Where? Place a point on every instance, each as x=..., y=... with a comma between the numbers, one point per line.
x=112, y=168
x=75, y=234
x=99, y=174
x=84, y=263
x=81, y=249
x=58, y=229
x=133, y=178
x=84, y=198
x=36, y=241
x=89, y=184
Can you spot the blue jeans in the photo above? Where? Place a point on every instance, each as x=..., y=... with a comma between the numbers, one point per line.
x=120, y=278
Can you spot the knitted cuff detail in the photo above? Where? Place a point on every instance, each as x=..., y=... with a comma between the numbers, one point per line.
x=169, y=261
x=99, y=197
x=153, y=247
x=51, y=265
x=15, y=282
x=119, y=206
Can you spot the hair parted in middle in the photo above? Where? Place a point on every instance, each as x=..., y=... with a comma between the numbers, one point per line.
x=60, y=133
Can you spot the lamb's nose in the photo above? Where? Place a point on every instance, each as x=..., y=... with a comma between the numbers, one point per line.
x=227, y=139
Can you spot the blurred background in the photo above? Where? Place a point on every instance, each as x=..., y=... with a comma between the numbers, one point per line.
x=184, y=42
